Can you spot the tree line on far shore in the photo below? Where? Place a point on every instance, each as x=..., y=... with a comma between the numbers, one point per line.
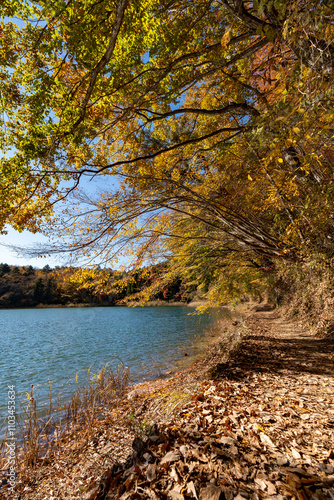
x=26, y=286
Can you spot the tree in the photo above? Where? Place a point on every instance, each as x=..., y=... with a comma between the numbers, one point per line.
x=29, y=271
x=215, y=117
x=4, y=269
x=39, y=290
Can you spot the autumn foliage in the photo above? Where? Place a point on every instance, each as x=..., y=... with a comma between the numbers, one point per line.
x=205, y=126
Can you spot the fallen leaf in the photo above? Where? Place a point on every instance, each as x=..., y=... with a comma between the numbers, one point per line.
x=92, y=492
x=228, y=440
x=151, y=472
x=295, y=453
x=210, y=492
x=266, y=440
x=191, y=489
x=171, y=456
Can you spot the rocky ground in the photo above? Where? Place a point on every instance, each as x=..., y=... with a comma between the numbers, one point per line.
x=257, y=424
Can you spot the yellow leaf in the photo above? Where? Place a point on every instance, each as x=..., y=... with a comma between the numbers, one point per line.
x=249, y=177
x=225, y=40
x=280, y=160
x=296, y=130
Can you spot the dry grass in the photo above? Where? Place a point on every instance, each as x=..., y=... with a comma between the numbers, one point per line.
x=43, y=436
x=166, y=402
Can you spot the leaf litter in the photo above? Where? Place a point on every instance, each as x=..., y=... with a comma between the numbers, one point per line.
x=257, y=423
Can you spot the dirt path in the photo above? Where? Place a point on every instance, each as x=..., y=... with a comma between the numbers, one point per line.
x=259, y=425
x=289, y=349
x=262, y=427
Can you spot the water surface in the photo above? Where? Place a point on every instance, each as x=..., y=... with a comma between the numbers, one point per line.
x=53, y=345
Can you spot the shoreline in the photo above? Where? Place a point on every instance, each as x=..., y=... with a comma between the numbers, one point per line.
x=211, y=431
x=192, y=353
x=153, y=303
x=124, y=413
x=130, y=415
x=222, y=329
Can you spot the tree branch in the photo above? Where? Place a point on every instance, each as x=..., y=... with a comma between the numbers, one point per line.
x=221, y=111
x=121, y=6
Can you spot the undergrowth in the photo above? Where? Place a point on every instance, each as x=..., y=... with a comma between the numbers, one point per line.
x=307, y=289
x=41, y=437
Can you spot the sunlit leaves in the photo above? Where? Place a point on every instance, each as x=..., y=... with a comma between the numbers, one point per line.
x=213, y=122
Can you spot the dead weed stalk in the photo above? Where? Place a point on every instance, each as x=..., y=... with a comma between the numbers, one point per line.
x=43, y=436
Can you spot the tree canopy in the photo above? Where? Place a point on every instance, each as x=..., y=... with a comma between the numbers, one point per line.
x=209, y=123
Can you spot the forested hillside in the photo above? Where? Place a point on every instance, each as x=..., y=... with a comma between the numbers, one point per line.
x=25, y=286
x=205, y=126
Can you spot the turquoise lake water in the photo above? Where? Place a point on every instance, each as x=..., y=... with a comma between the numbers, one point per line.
x=42, y=345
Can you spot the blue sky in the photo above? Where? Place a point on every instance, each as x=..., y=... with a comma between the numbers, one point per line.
x=25, y=238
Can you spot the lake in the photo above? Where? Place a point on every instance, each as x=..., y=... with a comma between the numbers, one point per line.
x=55, y=344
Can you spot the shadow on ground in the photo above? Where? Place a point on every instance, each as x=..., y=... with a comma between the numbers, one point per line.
x=285, y=350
